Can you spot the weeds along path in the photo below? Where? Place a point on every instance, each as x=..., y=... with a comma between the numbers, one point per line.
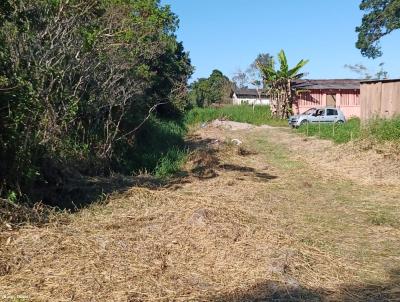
x=259, y=221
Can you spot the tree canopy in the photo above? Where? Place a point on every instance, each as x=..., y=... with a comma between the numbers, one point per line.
x=215, y=89
x=78, y=78
x=381, y=18
x=253, y=71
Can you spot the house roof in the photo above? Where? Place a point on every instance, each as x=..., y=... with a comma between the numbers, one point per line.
x=326, y=84
x=247, y=92
x=377, y=81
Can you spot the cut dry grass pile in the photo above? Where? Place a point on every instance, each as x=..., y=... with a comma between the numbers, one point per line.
x=14, y=215
x=366, y=161
x=204, y=243
x=231, y=231
x=167, y=248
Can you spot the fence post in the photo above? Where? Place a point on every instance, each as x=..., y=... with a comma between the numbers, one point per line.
x=319, y=129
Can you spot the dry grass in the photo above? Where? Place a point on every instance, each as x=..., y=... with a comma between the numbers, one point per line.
x=14, y=215
x=242, y=224
x=364, y=161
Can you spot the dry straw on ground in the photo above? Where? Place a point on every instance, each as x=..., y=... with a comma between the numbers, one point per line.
x=218, y=233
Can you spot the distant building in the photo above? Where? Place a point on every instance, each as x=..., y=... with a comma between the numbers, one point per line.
x=248, y=96
x=340, y=93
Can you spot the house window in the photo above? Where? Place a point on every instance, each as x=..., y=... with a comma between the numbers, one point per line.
x=331, y=112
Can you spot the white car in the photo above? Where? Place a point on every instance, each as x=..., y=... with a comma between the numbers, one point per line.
x=318, y=115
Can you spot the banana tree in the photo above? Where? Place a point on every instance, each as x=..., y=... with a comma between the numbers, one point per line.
x=278, y=84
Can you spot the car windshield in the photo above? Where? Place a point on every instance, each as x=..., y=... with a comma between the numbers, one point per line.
x=309, y=111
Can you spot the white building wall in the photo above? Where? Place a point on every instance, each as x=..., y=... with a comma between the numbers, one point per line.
x=249, y=101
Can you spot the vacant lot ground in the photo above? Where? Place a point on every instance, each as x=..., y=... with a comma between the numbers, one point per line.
x=277, y=218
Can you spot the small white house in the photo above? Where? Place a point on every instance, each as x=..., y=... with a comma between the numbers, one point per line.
x=249, y=96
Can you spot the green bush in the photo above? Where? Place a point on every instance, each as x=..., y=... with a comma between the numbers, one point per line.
x=156, y=140
x=171, y=162
x=383, y=129
x=80, y=107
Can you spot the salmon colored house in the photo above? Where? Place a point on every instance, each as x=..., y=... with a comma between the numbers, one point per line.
x=343, y=94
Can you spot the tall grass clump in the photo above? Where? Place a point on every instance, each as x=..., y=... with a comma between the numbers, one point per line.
x=377, y=129
x=158, y=144
x=243, y=113
x=383, y=129
x=171, y=162
x=339, y=133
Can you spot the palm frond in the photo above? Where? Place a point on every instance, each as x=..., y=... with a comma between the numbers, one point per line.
x=294, y=71
x=284, y=67
x=267, y=71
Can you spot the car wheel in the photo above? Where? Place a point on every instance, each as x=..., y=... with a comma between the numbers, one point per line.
x=303, y=122
x=340, y=122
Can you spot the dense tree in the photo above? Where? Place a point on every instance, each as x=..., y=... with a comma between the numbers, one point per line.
x=264, y=59
x=220, y=87
x=216, y=89
x=78, y=78
x=253, y=71
x=199, y=92
x=381, y=18
x=278, y=84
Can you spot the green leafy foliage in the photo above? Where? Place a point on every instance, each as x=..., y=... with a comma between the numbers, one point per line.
x=78, y=81
x=171, y=162
x=381, y=18
x=252, y=76
x=277, y=83
x=384, y=129
x=154, y=141
x=216, y=89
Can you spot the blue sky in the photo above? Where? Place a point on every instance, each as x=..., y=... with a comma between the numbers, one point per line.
x=228, y=34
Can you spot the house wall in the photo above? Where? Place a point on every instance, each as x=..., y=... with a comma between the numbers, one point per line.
x=240, y=101
x=347, y=100
x=380, y=99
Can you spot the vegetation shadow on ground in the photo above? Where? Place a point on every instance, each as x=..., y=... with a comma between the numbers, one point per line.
x=291, y=291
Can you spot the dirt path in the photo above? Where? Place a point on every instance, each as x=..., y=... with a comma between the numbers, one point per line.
x=276, y=218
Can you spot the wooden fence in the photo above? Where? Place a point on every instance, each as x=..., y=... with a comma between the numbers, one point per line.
x=380, y=98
